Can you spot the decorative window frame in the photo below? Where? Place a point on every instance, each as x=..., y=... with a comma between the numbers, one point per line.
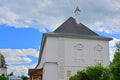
x=98, y=53
x=98, y=47
x=79, y=55
x=79, y=46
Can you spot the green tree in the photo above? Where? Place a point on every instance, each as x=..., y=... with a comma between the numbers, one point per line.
x=24, y=77
x=96, y=72
x=3, y=78
x=11, y=74
x=115, y=64
x=118, y=46
x=81, y=75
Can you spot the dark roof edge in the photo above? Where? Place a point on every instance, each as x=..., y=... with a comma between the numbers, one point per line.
x=41, y=49
x=78, y=36
x=63, y=23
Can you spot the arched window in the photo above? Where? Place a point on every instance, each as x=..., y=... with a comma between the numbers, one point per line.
x=98, y=54
x=79, y=56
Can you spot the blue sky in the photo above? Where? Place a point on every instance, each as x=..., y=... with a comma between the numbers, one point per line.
x=19, y=37
x=22, y=26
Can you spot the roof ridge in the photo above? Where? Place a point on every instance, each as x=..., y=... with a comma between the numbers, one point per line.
x=63, y=23
x=71, y=27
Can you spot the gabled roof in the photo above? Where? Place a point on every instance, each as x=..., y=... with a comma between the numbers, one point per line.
x=71, y=27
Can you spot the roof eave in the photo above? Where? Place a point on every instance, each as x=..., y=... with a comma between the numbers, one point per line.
x=78, y=36
x=41, y=49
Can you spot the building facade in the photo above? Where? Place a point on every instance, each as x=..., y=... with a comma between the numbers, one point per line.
x=71, y=47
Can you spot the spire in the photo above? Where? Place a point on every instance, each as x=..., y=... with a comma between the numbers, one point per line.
x=77, y=15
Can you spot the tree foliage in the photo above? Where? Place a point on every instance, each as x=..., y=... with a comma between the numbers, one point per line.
x=11, y=74
x=3, y=78
x=24, y=77
x=81, y=75
x=96, y=72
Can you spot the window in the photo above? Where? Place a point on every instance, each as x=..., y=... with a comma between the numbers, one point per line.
x=79, y=56
x=98, y=54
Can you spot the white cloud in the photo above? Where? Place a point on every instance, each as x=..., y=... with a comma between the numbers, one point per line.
x=99, y=26
x=31, y=14
x=43, y=14
x=20, y=70
x=113, y=42
x=112, y=52
x=112, y=49
x=95, y=12
x=19, y=56
x=7, y=16
x=18, y=60
x=115, y=24
x=115, y=5
x=109, y=26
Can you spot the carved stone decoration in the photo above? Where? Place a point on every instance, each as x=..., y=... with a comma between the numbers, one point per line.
x=79, y=46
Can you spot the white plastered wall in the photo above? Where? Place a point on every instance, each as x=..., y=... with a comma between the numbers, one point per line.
x=59, y=56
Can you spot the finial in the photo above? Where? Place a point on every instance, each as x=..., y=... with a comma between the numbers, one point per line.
x=77, y=15
x=77, y=9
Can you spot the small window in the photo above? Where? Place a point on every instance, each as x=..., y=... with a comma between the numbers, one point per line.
x=78, y=51
x=98, y=53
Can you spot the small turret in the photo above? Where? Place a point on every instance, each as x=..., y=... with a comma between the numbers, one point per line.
x=77, y=15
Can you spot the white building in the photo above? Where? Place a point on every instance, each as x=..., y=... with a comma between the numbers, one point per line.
x=3, y=68
x=71, y=47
